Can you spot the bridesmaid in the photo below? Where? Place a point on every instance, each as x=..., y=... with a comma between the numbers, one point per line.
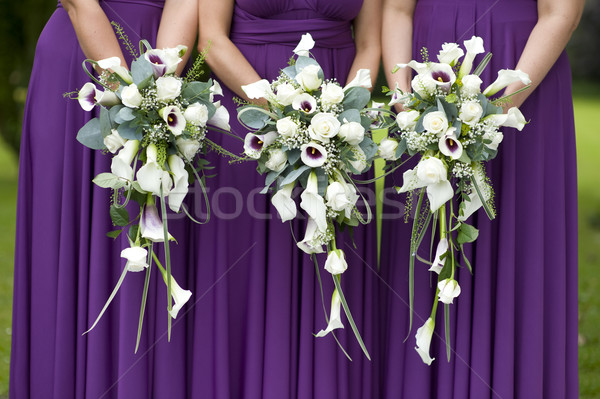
x=265, y=305
x=65, y=266
x=514, y=326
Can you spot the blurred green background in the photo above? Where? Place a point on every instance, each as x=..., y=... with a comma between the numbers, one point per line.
x=21, y=22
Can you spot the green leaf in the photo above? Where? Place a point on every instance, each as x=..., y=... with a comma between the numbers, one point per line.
x=129, y=132
x=142, y=72
x=110, y=298
x=303, y=62
x=467, y=233
x=401, y=149
x=294, y=175
x=356, y=97
x=252, y=116
x=338, y=287
x=293, y=156
x=114, y=233
x=350, y=115
x=119, y=215
x=90, y=135
x=126, y=114
x=108, y=180
x=144, y=298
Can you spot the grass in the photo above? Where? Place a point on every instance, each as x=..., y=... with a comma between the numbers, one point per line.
x=587, y=107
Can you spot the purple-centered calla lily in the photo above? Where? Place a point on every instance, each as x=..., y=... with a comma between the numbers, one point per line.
x=173, y=116
x=313, y=154
x=151, y=225
x=304, y=102
x=443, y=76
x=254, y=144
x=449, y=144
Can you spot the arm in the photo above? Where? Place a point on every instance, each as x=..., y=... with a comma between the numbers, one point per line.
x=94, y=32
x=557, y=19
x=397, y=40
x=367, y=36
x=178, y=25
x=224, y=58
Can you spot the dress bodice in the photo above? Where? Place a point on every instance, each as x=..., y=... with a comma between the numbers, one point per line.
x=340, y=10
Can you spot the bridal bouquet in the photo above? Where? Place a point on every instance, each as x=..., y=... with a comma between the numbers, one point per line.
x=454, y=127
x=155, y=124
x=313, y=134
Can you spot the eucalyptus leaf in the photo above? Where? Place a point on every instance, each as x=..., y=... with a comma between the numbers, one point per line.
x=293, y=156
x=126, y=114
x=356, y=97
x=141, y=72
x=129, y=132
x=303, y=62
x=90, y=135
x=108, y=180
x=402, y=146
x=114, y=115
x=368, y=147
x=252, y=116
x=294, y=175
x=350, y=115
x=290, y=71
x=193, y=91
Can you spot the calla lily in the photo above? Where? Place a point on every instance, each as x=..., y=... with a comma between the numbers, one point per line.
x=313, y=203
x=305, y=45
x=304, y=102
x=114, y=64
x=442, y=75
x=418, y=67
x=424, y=335
x=449, y=289
x=121, y=163
x=180, y=178
x=430, y=173
x=474, y=46
x=313, y=154
x=87, y=96
x=336, y=262
x=136, y=258
x=283, y=202
x=506, y=77
x=151, y=225
x=260, y=89
x=311, y=244
x=362, y=79
x=152, y=176
x=449, y=144
x=254, y=144
x=335, y=321
x=474, y=202
x=174, y=118
x=373, y=115
x=164, y=61
x=220, y=118
x=438, y=264
x=180, y=296
x=513, y=118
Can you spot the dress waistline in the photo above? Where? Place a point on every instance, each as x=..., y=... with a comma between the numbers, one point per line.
x=327, y=33
x=150, y=3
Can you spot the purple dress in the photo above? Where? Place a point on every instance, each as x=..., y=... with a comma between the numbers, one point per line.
x=65, y=265
x=258, y=297
x=514, y=325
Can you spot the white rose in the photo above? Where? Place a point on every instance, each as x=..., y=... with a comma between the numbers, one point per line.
x=114, y=141
x=277, y=160
x=352, y=133
x=286, y=93
x=336, y=262
x=450, y=53
x=196, y=114
x=387, y=149
x=332, y=93
x=470, y=112
x=471, y=85
x=431, y=171
x=309, y=77
x=436, y=122
x=187, y=147
x=424, y=85
x=167, y=88
x=336, y=196
x=287, y=127
x=324, y=126
x=407, y=120
x=495, y=137
x=131, y=97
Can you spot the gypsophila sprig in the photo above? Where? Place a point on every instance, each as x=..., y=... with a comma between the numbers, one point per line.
x=155, y=124
x=314, y=133
x=453, y=126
